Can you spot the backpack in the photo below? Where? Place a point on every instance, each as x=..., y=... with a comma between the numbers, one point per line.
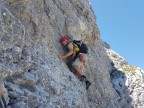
x=82, y=46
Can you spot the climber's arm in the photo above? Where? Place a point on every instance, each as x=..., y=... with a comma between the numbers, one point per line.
x=69, y=53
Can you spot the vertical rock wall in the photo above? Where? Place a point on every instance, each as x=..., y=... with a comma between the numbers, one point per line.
x=35, y=77
x=29, y=47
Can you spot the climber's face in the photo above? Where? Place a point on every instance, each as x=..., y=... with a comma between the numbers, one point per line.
x=65, y=43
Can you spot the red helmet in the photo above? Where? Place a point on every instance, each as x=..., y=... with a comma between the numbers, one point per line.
x=64, y=38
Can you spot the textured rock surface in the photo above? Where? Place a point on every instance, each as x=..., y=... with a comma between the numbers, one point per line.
x=128, y=81
x=29, y=47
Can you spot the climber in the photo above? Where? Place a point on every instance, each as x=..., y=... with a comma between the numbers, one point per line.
x=79, y=59
x=3, y=94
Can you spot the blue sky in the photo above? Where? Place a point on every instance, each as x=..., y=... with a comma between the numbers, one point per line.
x=121, y=24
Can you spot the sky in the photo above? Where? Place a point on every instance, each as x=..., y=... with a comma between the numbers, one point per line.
x=121, y=25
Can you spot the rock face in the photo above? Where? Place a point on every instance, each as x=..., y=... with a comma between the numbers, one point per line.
x=34, y=76
x=128, y=81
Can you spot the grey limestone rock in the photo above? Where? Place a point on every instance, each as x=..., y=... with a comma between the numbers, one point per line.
x=34, y=75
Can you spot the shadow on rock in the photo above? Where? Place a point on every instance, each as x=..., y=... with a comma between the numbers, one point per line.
x=118, y=79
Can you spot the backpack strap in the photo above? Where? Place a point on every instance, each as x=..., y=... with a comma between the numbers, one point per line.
x=82, y=46
x=78, y=42
x=75, y=49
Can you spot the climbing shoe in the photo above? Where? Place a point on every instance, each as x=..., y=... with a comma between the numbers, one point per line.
x=88, y=84
x=83, y=78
